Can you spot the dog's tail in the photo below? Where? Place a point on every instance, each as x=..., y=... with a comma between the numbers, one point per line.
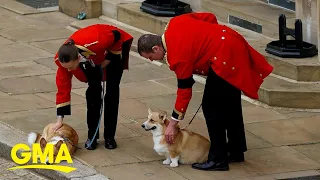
x=33, y=137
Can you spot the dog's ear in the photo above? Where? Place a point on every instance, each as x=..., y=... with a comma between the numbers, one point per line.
x=162, y=116
x=43, y=142
x=59, y=144
x=149, y=111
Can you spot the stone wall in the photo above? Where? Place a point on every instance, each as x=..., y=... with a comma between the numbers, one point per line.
x=92, y=8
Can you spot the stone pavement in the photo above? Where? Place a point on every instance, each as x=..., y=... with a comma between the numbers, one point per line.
x=282, y=143
x=18, y=175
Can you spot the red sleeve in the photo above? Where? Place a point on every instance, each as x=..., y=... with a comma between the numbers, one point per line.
x=207, y=17
x=63, y=97
x=184, y=73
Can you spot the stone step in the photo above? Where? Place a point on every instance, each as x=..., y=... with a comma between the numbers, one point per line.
x=307, y=69
x=109, y=7
x=279, y=92
x=274, y=91
x=254, y=15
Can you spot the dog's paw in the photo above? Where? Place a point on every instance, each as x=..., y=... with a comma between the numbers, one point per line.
x=174, y=164
x=167, y=161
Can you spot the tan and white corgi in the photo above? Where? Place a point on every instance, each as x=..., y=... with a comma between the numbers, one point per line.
x=66, y=134
x=189, y=147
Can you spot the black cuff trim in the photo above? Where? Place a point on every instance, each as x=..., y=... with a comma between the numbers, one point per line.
x=110, y=56
x=186, y=83
x=177, y=115
x=116, y=35
x=64, y=110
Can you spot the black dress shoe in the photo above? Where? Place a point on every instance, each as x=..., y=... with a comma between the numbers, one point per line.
x=93, y=145
x=211, y=166
x=236, y=157
x=110, y=144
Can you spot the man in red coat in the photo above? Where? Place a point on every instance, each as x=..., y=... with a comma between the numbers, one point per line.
x=93, y=54
x=195, y=43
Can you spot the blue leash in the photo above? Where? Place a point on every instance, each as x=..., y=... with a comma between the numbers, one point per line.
x=101, y=109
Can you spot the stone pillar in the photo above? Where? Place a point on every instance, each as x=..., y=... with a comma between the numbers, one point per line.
x=308, y=12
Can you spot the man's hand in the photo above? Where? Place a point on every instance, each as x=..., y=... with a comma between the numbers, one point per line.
x=171, y=131
x=105, y=63
x=58, y=123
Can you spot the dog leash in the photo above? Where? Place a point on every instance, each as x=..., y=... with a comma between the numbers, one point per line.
x=101, y=109
x=193, y=117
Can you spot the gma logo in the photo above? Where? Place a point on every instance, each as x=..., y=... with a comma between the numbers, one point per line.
x=46, y=157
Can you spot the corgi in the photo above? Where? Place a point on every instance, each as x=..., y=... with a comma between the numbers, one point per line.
x=189, y=147
x=66, y=134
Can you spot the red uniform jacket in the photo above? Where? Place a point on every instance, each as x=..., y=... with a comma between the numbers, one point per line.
x=195, y=42
x=95, y=41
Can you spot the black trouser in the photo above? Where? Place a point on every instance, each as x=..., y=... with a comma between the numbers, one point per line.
x=111, y=99
x=222, y=110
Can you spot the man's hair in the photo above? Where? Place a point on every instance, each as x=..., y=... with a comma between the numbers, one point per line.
x=147, y=41
x=68, y=52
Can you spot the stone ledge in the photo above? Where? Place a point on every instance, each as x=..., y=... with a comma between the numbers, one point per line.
x=11, y=136
x=92, y=8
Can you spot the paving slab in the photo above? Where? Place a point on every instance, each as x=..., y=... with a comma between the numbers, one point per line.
x=259, y=114
x=141, y=148
x=173, y=83
x=15, y=21
x=298, y=175
x=296, y=113
x=136, y=126
x=22, y=69
x=135, y=60
x=37, y=119
x=51, y=96
x=4, y=41
x=26, y=85
x=22, y=103
x=287, y=132
x=53, y=18
x=104, y=157
x=140, y=110
x=236, y=170
x=167, y=102
x=145, y=71
x=255, y=142
x=48, y=62
x=278, y=160
x=75, y=82
x=36, y=33
x=312, y=151
x=141, y=171
x=142, y=89
x=122, y=132
x=26, y=52
x=51, y=46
